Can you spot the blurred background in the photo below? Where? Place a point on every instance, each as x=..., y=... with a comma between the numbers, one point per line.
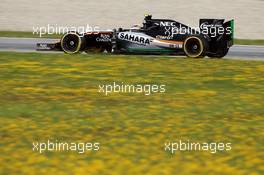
x=22, y=15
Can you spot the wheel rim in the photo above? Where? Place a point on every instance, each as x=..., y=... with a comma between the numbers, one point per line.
x=71, y=43
x=193, y=47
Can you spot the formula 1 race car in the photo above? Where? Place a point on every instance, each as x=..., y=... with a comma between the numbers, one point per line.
x=212, y=38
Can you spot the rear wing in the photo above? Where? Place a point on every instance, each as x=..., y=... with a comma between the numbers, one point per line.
x=218, y=30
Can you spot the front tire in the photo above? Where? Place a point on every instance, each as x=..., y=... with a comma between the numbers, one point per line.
x=71, y=42
x=195, y=46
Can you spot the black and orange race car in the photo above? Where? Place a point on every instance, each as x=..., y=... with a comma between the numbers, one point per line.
x=212, y=38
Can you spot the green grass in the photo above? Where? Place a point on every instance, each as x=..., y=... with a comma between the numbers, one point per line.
x=55, y=97
x=249, y=41
x=31, y=35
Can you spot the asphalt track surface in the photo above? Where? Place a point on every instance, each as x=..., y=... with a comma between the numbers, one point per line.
x=249, y=52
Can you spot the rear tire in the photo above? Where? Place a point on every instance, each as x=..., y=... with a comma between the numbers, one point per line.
x=221, y=51
x=195, y=46
x=71, y=42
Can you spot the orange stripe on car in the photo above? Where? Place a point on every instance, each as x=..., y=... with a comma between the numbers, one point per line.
x=172, y=42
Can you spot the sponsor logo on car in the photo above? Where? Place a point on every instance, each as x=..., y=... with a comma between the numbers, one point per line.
x=164, y=37
x=134, y=38
x=175, y=46
x=166, y=24
x=205, y=25
x=104, y=38
x=43, y=46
